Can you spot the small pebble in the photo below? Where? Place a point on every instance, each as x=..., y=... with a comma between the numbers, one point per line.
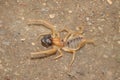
x=91, y=30
x=101, y=29
x=33, y=43
x=52, y=15
x=55, y=26
x=22, y=18
x=118, y=42
x=69, y=11
x=89, y=23
x=119, y=78
x=109, y=1
x=87, y=18
x=23, y=39
x=18, y=1
x=44, y=4
x=77, y=28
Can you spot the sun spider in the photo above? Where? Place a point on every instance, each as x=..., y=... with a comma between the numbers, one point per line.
x=73, y=40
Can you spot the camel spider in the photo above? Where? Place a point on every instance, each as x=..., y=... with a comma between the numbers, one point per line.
x=73, y=41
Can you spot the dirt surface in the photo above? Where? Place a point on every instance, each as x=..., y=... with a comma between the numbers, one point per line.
x=100, y=19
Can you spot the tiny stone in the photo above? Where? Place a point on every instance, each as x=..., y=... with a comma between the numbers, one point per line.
x=119, y=78
x=89, y=23
x=77, y=28
x=44, y=4
x=109, y=1
x=70, y=11
x=23, y=39
x=52, y=15
x=33, y=43
x=55, y=26
x=100, y=29
x=87, y=18
x=118, y=42
x=22, y=18
x=91, y=30
x=18, y=1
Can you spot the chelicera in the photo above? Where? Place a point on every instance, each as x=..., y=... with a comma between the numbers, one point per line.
x=46, y=41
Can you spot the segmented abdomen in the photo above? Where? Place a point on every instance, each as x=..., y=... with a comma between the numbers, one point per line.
x=73, y=43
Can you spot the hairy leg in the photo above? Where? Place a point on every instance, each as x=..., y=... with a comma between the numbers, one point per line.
x=83, y=42
x=72, y=60
x=41, y=35
x=43, y=53
x=44, y=23
x=60, y=54
x=69, y=32
x=72, y=51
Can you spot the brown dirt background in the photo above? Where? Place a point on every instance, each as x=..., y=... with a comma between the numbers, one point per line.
x=100, y=20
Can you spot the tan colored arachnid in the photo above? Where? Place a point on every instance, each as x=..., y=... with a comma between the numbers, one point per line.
x=73, y=41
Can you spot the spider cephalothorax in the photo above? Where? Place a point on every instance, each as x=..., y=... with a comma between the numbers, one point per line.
x=46, y=41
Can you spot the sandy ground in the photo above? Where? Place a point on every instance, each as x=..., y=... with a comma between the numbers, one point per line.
x=100, y=19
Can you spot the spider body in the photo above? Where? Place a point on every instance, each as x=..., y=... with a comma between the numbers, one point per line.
x=72, y=42
x=58, y=42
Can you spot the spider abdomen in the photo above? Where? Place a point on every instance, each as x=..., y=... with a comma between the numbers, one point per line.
x=73, y=43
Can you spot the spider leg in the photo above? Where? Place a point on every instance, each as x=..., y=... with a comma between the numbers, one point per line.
x=73, y=58
x=66, y=30
x=73, y=52
x=83, y=42
x=90, y=41
x=79, y=31
x=41, y=35
x=44, y=23
x=60, y=54
x=43, y=53
x=68, y=33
